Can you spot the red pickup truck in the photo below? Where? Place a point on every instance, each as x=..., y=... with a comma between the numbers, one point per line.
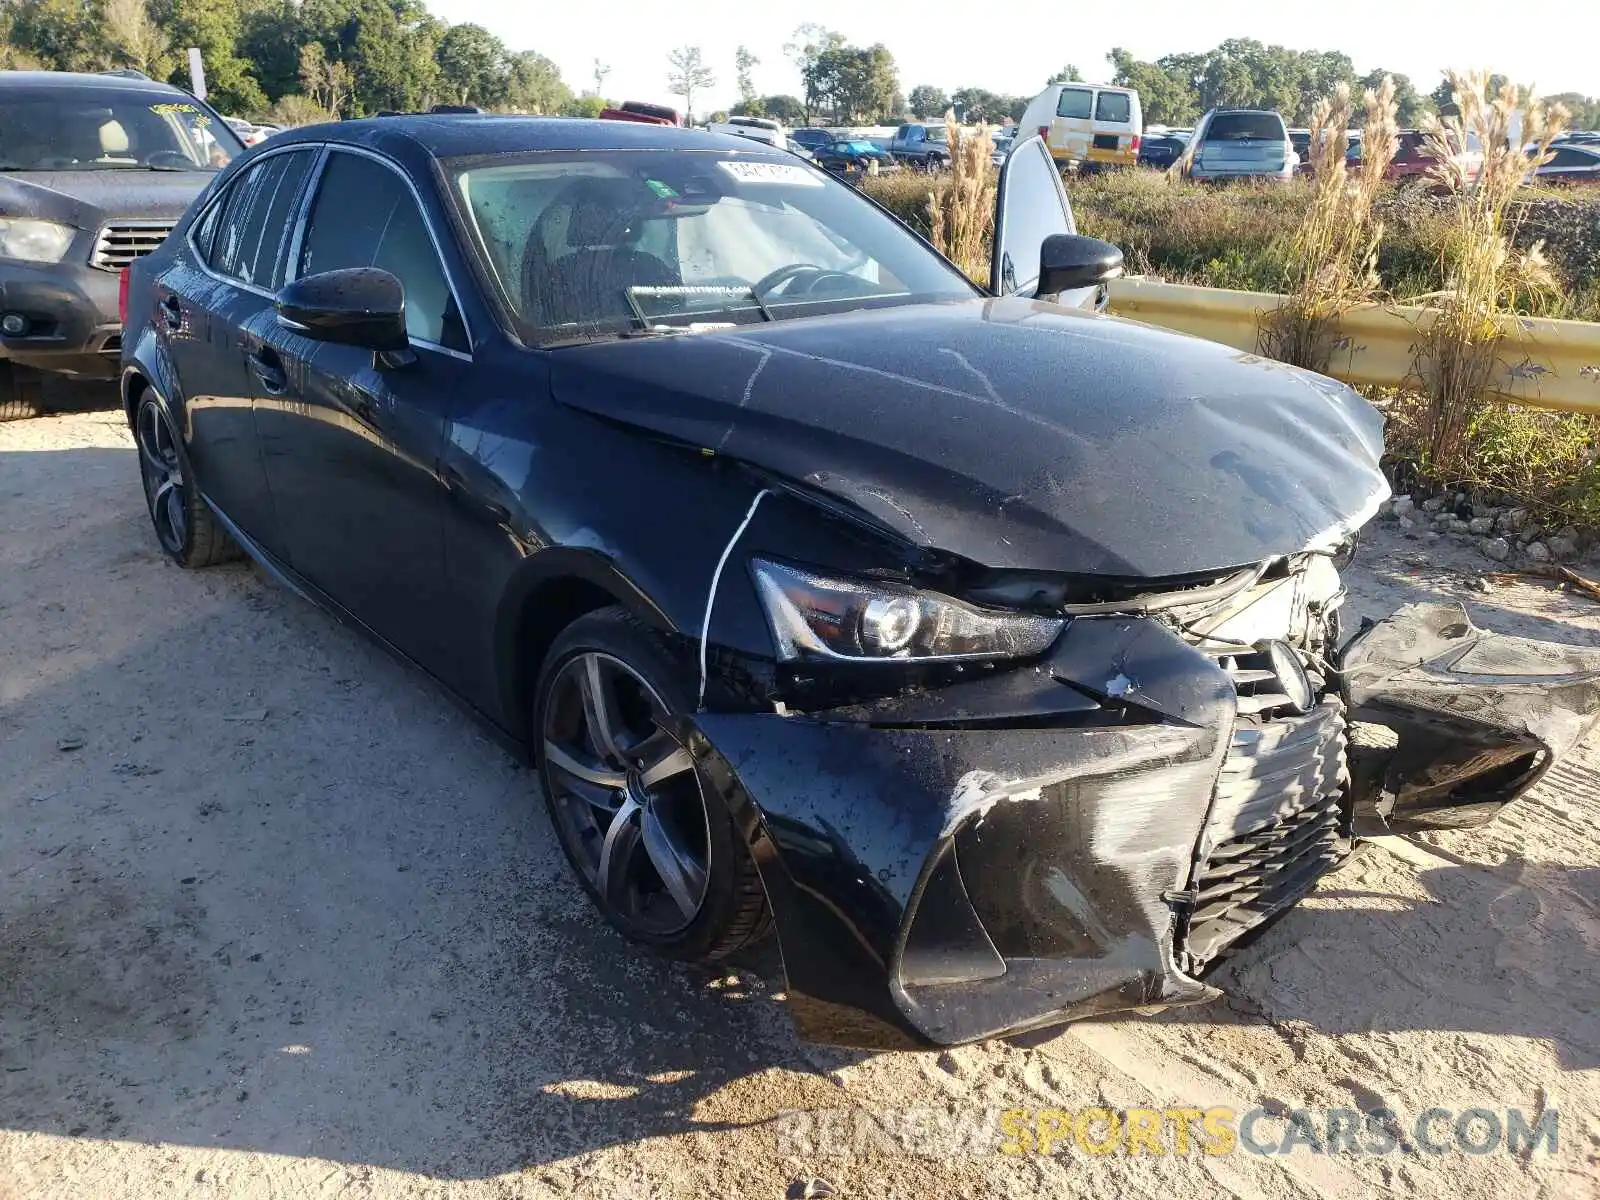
x=637, y=110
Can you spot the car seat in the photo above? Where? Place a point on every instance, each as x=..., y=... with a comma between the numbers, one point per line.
x=114, y=143
x=589, y=282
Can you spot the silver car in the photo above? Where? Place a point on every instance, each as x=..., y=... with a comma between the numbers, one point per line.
x=1242, y=143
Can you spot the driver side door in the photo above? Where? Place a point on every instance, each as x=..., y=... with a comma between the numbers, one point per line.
x=1031, y=205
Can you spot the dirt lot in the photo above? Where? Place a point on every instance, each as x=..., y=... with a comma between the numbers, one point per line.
x=276, y=920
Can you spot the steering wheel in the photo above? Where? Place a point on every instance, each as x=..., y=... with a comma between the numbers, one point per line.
x=795, y=271
x=168, y=158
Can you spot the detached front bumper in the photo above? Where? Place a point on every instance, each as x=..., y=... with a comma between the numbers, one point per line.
x=71, y=311
x=1023, y=850
x=1469, y=720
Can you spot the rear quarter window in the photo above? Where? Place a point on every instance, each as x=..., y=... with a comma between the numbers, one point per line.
x=1114, y=107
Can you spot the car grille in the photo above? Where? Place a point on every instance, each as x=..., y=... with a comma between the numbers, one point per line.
x=120, y=242
x=1278, y=819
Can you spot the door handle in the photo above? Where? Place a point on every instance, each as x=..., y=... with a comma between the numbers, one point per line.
x=268, y=370
x=172, y=311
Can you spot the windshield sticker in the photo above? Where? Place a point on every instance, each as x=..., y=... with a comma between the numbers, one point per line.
x=771, y=172
x=661, y=190
x=163, y=110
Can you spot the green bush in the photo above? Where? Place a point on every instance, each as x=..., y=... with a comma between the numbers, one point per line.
x=1546, y=461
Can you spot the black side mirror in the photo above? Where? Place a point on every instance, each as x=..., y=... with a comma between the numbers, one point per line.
x=361, y=306
x=1068, y=261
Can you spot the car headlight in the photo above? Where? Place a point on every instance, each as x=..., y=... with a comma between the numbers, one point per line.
x=812, y=616
x=32, y=240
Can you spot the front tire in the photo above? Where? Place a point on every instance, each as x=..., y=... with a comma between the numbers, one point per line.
x=656, y=852
x=19, y=394
x=187, y=529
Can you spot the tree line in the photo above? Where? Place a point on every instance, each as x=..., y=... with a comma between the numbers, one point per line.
x=297, y=60
x=300, y=60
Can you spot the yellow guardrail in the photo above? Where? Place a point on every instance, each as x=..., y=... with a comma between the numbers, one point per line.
x=1545, y=363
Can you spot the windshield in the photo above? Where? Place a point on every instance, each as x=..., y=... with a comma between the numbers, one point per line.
x=58, y=129
x=854, y=148
x=603, y=243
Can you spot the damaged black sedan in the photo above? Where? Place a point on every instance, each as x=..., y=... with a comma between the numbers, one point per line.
x=984, y=649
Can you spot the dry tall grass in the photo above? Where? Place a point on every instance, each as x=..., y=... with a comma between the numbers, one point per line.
x=1485, y=274
x=961, y=211
x=1333, y=256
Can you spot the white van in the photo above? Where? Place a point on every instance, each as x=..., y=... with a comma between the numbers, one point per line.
x=759, y=128
x=1096, y=124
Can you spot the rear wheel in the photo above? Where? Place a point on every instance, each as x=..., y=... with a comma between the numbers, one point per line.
x=186, y=527
x=19, y=393
x=658, y=855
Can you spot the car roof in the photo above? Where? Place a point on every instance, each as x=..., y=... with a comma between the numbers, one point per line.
x=85, y=81
x=470, y=134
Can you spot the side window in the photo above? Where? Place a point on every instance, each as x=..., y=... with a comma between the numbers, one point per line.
x=1113, y=107
x=1074, y=102
x=244, y=234
x=207, y=231
x=364, y=215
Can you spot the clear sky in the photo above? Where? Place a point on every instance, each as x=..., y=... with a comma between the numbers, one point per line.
x=1014, y=47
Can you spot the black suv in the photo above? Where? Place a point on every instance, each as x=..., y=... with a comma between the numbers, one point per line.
x=94, y=170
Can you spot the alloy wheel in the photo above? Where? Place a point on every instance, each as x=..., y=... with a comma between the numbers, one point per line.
x=164, y=487
x=626, y=794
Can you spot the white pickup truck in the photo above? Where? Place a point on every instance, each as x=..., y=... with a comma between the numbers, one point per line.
x=759, y=128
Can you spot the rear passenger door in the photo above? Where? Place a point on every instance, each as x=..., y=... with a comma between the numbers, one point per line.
x=221, y=289
x=352, y=443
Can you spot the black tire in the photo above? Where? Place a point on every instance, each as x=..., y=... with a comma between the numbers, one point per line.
x=19, y=394
x=732, y=909
x=186, y=528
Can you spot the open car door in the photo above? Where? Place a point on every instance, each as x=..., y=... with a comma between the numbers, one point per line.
x=1031, y=206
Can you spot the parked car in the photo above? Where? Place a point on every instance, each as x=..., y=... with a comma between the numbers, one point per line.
x=1415, y=164
x=1091, y=124
x=757, y=128
x=813, y=139
x=1162, y=150
x=94, y=169
x=1241, y=143
x=642, y=113
x=925, y=146
x=807, y=572
x=249, y=135
x=854, y=158
x=1571, y=164
x=796, y=148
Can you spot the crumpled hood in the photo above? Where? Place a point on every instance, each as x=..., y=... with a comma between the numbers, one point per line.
x=1015, y=433
x=87, y=199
